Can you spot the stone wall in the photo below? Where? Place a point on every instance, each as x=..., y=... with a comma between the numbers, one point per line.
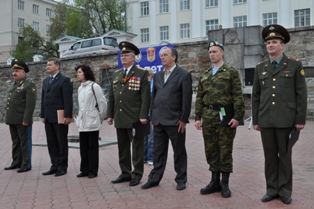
x=193, y=56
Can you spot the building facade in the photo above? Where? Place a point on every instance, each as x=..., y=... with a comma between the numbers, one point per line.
x=17, y=13
x=179, y=21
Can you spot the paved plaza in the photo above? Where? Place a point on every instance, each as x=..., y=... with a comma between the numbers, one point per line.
x=32, y=190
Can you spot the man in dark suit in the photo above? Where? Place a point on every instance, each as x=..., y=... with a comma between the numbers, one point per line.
x=129, y=100
x=279, y=103
x=170, y=110
x=56, y=95
x=19, y=116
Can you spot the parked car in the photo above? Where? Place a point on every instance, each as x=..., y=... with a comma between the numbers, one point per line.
x=97, y=45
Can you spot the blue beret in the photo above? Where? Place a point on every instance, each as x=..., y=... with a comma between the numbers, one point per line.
x=215, y=43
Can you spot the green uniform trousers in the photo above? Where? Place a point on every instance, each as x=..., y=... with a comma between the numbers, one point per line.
x=21, y=145
x=218, y=142
x=278, y=163
x=125, y=140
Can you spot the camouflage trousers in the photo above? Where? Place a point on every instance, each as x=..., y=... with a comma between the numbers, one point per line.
x=218, y=143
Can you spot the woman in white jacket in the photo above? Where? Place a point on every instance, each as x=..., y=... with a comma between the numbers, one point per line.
x=92, y=110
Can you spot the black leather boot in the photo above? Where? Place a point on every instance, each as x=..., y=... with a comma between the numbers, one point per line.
x=225, y=191
x=213, y=186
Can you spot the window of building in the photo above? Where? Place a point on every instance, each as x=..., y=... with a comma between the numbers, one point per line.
x=184, y=4
x=164, y=6
x=20, y=22
x=240, y=21
x=211, y=3
x=47, y=29
x=302, y=17
x=211, y=25
x=269, y=18
x=20, y=5
x=144, y=8
x=185, y=30
x=36, y=26
x=145, y=35
x=35, y=9
x=48, y=12
x=239, y=1
x=164, y=33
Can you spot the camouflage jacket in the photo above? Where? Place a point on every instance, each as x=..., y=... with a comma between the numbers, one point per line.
x=224, y=88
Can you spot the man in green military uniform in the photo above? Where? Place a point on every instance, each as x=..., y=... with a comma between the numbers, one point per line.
x=279, y=103
x=19, y=116
x=129, y=101
x=219, y=107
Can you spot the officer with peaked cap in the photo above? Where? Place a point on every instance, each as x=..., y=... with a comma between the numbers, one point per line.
x=219, y=107
x=129, y=101
x=279, y=103
x=20, y=107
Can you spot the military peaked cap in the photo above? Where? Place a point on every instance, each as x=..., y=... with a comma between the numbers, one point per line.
x=215, y=43
x=275, y=31
x=127, y=47
x=20, y=64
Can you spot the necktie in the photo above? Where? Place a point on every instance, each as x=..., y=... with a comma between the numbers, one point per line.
x=274, y=64
x=50, y=80
x=125, y=71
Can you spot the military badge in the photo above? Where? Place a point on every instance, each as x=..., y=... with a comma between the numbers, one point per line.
x=263, y=73
x=272, y=34
x=271, y=28
x=302, y=72
x=33, y=90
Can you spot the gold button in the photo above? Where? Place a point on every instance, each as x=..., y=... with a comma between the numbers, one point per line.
x=122, y=84
x=10, y=93
x=274, y=87
x=273, y=103
x=120, y=92
x=120, y=101
x=120, y=110
x=286, y=75
x=8, y=103
x=7, y=108
x=273, y=95
x=274, y=79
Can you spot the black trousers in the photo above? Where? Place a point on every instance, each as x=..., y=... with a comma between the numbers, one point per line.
x=57, y=141
x=162, y=134
x=278, y=163
x=89, y=150
x=126, y=158
x=21, y=145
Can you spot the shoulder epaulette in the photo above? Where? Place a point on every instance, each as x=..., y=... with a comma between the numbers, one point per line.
x=293, y=58
x=262, y=61
x=140, y=68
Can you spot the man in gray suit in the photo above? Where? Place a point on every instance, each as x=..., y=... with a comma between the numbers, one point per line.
x=170, y=110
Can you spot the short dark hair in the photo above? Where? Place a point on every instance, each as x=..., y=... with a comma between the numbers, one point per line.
x=55, y=61
x=174, y=52
x=88, y=73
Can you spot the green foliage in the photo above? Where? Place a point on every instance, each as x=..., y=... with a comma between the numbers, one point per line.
x=68, y=20
x=31, y=43
x=104, y=15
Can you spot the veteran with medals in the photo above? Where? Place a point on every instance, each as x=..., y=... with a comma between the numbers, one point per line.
x=20, y=107
x=279, y=103
x=129, y=101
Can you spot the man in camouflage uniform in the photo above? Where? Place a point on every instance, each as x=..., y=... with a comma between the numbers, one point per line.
x=218, y=109
x=129, y=101
x=19, y=116
x=279, y=104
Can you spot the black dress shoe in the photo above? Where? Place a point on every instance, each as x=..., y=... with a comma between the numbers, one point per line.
x=181, y=186
x=60, y=173
x=120, y=180
x=11, y=167
x=49, y=172
x=134, y=182
x=268, y=198
x=149, y=185
x=81, y=175
x=21, y=170
x=92, y=175
x=286, y=199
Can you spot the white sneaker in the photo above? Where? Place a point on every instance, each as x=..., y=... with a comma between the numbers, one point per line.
x=150, y=163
